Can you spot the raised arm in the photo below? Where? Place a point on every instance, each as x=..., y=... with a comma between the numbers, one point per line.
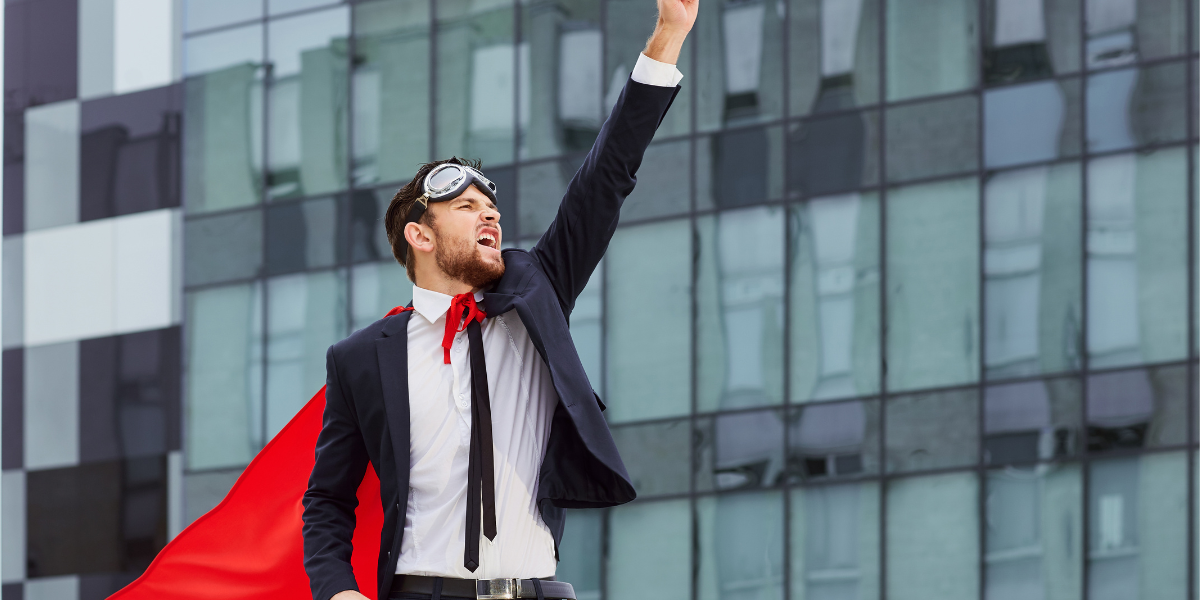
x=576, y=240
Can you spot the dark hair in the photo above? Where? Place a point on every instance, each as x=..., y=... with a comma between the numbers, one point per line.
x=397, y=213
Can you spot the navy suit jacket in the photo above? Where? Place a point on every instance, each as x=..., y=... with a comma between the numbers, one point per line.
x=366, y=399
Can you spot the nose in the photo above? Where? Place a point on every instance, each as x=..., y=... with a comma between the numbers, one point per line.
x=491, y=215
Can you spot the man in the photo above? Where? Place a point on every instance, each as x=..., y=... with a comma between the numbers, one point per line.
x=472, y=404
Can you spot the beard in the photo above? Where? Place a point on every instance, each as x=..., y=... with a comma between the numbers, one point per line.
x=461, y=260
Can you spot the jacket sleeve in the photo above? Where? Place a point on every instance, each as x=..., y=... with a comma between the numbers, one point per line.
x=332, y=495
x=576, y=240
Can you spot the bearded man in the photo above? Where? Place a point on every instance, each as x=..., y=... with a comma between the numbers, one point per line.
x=472, y=404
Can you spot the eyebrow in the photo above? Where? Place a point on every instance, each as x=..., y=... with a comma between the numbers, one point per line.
x=489, y=204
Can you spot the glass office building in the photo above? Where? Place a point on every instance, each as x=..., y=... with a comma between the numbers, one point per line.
x=903, y=306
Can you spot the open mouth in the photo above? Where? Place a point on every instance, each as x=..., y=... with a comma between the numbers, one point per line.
x=487, y=237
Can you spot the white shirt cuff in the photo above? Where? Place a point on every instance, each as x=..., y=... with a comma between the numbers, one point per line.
x=651, y=72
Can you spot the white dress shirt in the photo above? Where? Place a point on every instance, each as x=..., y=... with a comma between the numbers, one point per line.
x=522, y=401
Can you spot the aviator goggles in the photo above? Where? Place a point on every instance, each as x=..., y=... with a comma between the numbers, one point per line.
x=446, y=182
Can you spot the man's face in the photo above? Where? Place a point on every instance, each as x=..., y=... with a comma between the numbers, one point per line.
x=467, y=235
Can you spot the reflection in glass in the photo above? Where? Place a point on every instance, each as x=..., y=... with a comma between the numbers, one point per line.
x=932, y=48
x=1137, y=409
x=835, y=541
x=562, y=76
x=223, y=247
x=377, y=287
x=739, y=167
x=581, y=552
x=1031, y=39
x=368, y=237
x=542, y=186
x=932, y=430
x=740, y=304
x=650, y=551
x=306, y=313
x=933, y=537
x=1131, y=107
x=391, y=90
x=1137, y=548
x=1124, y=31
x=1136, y=236
x=662, y=450
x=833, y=54
x=223, y=119
x=275, y=7
x=1032, y=280
x=739, y=450
x=1031, y=122
x=1033, y=531
x=834, y=439
x=834, y=247
x=741, y=546
x=206, y=14
x=308, y=104
x=833, y=154
x=662, y=188
x=587, y=327
x=224, y=376
x=739, y=77
x=648, y=348
x=1031, y=421
x=51, y=175
x=476, y=82
x=933, y=285
x=305, y=235
x=628, y=24
x=933, y=138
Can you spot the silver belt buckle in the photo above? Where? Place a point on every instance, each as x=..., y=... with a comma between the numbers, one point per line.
x=497, y=589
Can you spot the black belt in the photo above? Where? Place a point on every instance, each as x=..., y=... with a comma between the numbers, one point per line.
x=483, y=589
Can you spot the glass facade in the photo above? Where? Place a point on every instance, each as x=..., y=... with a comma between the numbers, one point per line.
x=904, y=304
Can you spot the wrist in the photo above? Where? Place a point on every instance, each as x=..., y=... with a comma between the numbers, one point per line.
x=665, y=43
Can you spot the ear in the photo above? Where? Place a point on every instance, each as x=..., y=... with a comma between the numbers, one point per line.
x=419, y=237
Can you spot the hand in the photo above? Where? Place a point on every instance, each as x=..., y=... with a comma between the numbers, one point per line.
x=349, y=595
x=675, y=20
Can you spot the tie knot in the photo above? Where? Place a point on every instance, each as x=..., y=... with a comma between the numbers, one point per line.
x=463, y=310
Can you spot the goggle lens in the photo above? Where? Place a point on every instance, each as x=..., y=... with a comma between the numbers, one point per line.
x=445, y=179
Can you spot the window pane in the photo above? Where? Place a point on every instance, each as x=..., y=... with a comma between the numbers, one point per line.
x=587, y=327
x=662, y=187
x=833, y=439
x=649, y=347
x=562, y=76
x=932, y=47
x=649, y=551
x=1123, y=32
x=1133, y=107
x=629, y=24
x=223, y=247
x=378, y=288
x=833, y=154
x=739, y=167
x=1137, y=409
x=275, y=7
x=658, y=454
x=741, y=546
x=308, y=104
x=835, y=297
x=739, y=74
x=1137, y=548
x=51, y=175
x=833, y=55
x=305, y=315
x=1034, y=523
x=933, y=138
x=368, y=236
x=476, y=83
x=933, y=285
x=581, y=553
x=1032, y=276
x=1030, y=40
x=542, y=187
x=205, y=14
x=740, y=305
x=391, y=90
x=739, y=450
x=1031, y=421
x=933, y=537
x=835, y=541
x=305, y=235
x=932, y=430
x=1136, y=258
x=223, y=119
x=1031, y=122
x=224, y=376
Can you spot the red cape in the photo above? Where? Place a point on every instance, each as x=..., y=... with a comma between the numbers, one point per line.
x=249, y=547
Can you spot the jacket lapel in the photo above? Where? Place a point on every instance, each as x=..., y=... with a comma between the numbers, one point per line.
x=392, y=352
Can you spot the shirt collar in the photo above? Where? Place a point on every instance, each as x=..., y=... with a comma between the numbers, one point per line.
x=433, y=305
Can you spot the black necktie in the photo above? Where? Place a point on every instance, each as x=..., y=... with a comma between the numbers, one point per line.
x=481, y=478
